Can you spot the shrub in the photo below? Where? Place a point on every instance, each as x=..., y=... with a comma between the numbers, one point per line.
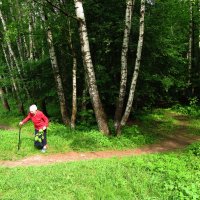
x=194, y=148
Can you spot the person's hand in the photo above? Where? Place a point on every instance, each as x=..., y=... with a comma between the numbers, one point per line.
x=44, y=128
x=20, y=123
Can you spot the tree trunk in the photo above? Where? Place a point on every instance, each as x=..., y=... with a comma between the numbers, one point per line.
x=21, y=39
x=93, y=90
x=74, y=85
x=14, y=84
x=3, y=98
x=60, y=90
x=136, y=70
x=30, y=28
x=12, y=55
x=84, y=95
x=18, y=40
x=199, y=38
x=122, y=91
x=190, y=44
x=74, y=93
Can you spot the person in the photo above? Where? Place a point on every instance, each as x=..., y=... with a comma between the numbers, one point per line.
x=40, y=122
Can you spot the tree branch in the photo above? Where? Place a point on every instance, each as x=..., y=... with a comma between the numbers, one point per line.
x=58, y=8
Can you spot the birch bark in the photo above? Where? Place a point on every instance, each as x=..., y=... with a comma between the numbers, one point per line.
x=60, y=90
x=190, y=43
x=12, y=54
x=22, y=39
x=122, y=91
x=13, y=81
x=93, y=90
x=74, y=84
x=31, y=28
x=16, y=17
x=136, y=69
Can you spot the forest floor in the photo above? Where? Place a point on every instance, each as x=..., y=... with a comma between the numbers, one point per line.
x=177, y=140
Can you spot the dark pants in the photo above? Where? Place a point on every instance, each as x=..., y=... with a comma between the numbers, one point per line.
x=44, y=141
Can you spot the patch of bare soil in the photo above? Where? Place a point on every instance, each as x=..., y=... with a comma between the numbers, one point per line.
x=178, y=140
x=5, y=127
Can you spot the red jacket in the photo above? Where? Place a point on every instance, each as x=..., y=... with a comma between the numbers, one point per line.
x=39, y=120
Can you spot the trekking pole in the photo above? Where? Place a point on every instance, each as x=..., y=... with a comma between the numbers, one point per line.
x=19, y=142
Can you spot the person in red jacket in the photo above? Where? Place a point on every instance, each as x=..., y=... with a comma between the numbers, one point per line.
x=40, y=122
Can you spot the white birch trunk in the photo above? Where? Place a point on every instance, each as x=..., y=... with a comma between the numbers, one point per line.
x=94, y=94
x=122, y=91
x=13, y=81
x=59, y=85
x=14, y=84
x=136, y=70
x=23, y=42
x=190, y=43
x=31, y=40
x=19, y=46
x=74, y=83
x=9, y=44
x=12, y=55
x=74, y=94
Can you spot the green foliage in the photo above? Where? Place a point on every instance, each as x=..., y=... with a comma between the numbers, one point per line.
x=163, y=74
x=87, y=117
x=192, y=109
x=194, y=149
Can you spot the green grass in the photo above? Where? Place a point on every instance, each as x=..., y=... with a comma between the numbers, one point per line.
x=151, y=128
x=159, y=176
x=62, y=139
x=194, y=126
x=171, y=176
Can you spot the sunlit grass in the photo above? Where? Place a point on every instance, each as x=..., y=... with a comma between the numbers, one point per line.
x=158, y=176
x=164, y=176
x=147, y=129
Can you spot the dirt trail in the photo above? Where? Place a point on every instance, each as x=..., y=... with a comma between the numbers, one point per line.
x=178, y=140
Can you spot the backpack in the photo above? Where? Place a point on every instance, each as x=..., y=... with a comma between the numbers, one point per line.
x=38, y=140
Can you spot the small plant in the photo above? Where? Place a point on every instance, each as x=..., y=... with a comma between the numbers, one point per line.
x=192, y=109
x=194, y=149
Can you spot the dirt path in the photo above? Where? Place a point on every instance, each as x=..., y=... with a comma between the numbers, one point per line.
x=178, y=140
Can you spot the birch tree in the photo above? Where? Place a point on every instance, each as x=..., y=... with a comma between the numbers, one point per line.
x=57, y=76
x=136, y=69
x=31, y=29
x=124, y=56
x=4, y=99
x=190, y=42
x=93, y=90
x=21, y=39
x=199, y=32
x=74, y=83
x=12, y=54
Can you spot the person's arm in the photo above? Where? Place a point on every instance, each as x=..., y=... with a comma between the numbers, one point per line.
x=46, y=120
x=25, y=120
